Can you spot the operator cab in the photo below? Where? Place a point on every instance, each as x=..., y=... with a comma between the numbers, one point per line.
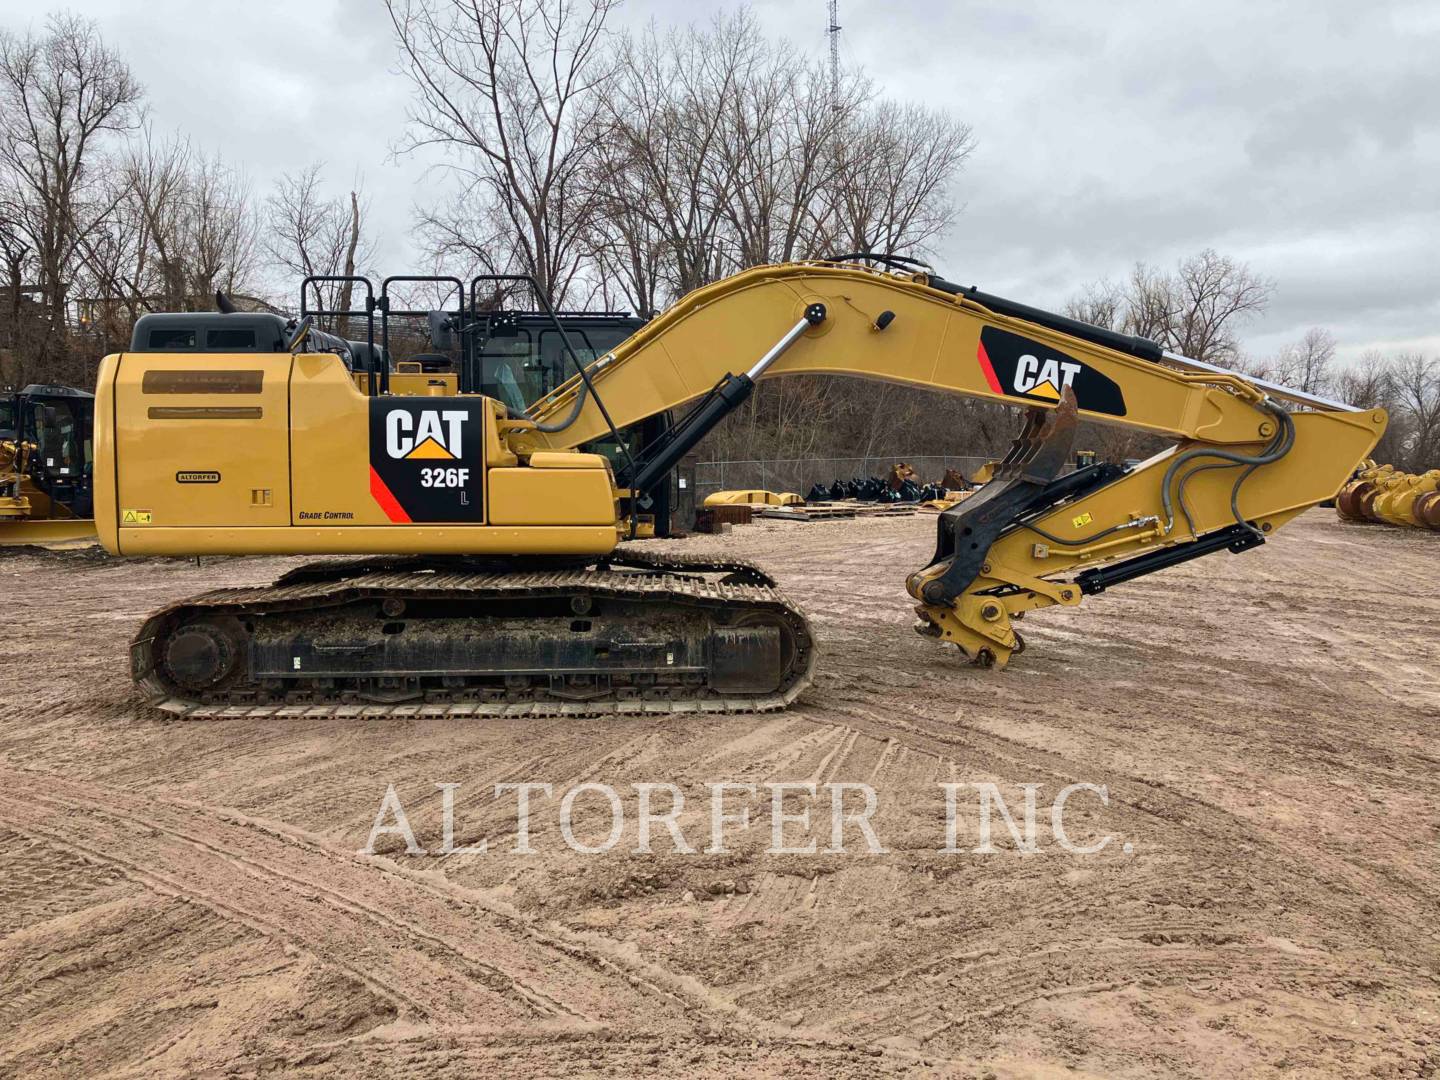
x=521, y=358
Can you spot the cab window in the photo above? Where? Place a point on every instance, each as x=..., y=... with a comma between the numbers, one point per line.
x=171, y=338
x=230, y=340
x=61, y=439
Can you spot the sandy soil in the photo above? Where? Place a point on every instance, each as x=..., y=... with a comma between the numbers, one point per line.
x=187, y=898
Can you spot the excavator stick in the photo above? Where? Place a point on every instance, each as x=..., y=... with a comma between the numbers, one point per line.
x=1002, y=552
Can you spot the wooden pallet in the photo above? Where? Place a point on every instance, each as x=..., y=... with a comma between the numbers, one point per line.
x=804, y=513
x=824, y=511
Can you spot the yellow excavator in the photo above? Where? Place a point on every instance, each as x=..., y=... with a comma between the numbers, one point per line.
x=489, y=580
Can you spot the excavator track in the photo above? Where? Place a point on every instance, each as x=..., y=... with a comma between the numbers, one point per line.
x=638, y=633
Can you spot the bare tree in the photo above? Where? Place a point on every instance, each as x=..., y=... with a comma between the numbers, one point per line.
x=1101, y=303
x=668, y=116
x=1306, y=365
x=508, y=88
x=1415, y=382
x=782, y=148
x=629, y=247
x=312, y=235
x=1367, y=383
x=1153, y=303
x=61, y=93
x=1215, y=293
x=722, y=150
x=182, y=225
x=896, y=165
x=1194, y=310
x=17, y=253
x=223, y=229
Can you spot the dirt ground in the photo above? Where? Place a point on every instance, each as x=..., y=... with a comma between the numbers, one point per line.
x=188, y=898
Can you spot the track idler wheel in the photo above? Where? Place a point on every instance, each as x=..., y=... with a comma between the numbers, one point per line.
x=208, y=654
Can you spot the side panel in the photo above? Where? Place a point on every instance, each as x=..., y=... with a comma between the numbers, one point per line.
x=527, y=496
x=201, y=440
x=427, y=459
x=329, y=430
x=387, y=461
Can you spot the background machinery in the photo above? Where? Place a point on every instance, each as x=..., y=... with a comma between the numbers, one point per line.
x=490, y=582
x=1384, y=495
x=46, y=466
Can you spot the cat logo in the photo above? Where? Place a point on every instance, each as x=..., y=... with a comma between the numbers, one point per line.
x=1013, y=365
x=430, y=434
x=427, y=459
x=1044, y=378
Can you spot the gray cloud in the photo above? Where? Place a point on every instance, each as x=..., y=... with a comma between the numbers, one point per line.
x=1303, y=138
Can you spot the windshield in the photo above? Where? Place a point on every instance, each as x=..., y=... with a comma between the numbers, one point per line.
x=62, y=437
x=518, y=368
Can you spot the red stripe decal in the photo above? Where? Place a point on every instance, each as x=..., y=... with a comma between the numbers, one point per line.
x=382, y=495
x=988, y=369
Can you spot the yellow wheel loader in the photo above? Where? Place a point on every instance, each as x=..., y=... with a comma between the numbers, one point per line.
x=488, y=580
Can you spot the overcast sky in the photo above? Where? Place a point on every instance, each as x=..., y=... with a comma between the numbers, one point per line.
x=1300, y=137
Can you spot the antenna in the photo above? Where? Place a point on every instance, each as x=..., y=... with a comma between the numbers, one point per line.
x=832, y=30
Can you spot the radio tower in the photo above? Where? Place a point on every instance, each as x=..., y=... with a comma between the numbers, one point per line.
x=832, y=30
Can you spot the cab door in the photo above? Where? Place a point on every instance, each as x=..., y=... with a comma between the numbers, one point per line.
x=202, y=440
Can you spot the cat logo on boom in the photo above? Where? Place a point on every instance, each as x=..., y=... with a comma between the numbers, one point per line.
x=430, y=434
x=1016, y=366
x=1044, y=378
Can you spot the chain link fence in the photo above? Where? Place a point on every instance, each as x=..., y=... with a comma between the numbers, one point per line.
x=800, y=474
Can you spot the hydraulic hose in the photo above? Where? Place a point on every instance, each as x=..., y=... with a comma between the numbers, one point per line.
x=1061, y=541
x=1279, y=446
x=561, y=425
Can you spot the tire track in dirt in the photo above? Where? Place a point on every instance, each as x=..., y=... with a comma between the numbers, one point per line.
x=1263, y=725
x=1175, y=810
x=406, y=942
x=1155, y=954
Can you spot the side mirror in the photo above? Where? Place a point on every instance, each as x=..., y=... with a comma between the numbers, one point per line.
x=442, y=337
x=300, y=333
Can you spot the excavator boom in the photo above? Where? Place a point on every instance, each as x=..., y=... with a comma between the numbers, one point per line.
x=1242, y=464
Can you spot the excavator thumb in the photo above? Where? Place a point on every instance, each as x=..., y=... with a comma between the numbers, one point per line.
x=1025, y=482
x=1020, y=484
